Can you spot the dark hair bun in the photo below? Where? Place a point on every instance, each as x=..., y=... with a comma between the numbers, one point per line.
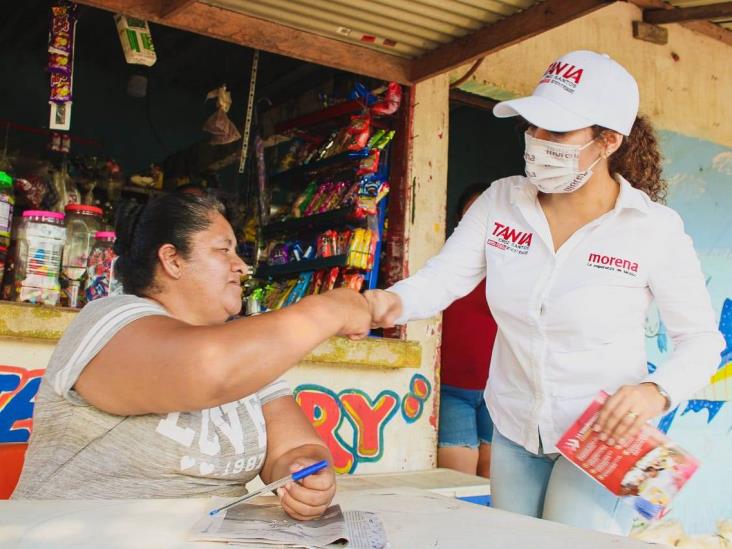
x=128, y=217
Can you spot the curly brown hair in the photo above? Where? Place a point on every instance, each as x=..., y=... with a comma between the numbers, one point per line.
x=639, y=159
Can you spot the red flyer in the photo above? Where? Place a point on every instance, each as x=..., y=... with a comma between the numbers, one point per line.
x=649, y=472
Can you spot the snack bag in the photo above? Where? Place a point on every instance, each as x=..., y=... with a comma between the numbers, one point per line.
x=391, y=101
x=359, y=131
x=649, y=472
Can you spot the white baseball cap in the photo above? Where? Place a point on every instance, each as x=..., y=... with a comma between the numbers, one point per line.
x=578, y=90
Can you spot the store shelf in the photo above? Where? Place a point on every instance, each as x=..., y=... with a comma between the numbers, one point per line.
x=312, y=223
x=343, y=158
x=321, y=116
x=302, y=266
x=141, y=190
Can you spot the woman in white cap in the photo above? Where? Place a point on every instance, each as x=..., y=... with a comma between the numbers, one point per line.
x=574, y=253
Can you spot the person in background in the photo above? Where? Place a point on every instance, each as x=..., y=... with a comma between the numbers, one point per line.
x=575, y=251
x=152, y=394
x=468, y=332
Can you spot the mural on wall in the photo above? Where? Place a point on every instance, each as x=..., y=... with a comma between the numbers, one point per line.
x=352, y=423
x=713, y=397
x=700, y=189
x=18, y=388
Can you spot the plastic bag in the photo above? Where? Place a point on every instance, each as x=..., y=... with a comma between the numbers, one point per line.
x=219, y=125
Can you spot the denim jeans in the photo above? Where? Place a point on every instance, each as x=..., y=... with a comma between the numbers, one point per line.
x=549, y=486
x=464, y=418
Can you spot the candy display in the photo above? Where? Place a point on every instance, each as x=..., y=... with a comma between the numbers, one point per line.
x=40, y=243
x=364, y=194
x=100, y=267
x=329, y=235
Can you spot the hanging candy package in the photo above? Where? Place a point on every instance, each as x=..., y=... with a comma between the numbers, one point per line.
x=61, y=63
x=391, y=101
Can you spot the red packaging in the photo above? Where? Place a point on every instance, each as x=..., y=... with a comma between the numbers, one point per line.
x=327, y=244
x=318, y=198
x=390, y=103
x=353, y=281
x=330, y=282
x=370, y=164
x=372, y=249
x=333, y=198
x=344, y=241
x=317, y=284
x=648, y=472
x=359, y=131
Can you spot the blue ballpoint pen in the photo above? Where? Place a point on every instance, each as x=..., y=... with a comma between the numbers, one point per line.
x=297, y=475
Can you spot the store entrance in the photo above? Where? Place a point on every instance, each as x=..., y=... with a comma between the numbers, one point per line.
x=482, y=148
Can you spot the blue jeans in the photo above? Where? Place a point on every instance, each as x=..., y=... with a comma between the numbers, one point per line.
x=549, y=486
x=464, y=418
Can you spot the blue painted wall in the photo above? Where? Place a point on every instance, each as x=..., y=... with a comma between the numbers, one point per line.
x=700, y=189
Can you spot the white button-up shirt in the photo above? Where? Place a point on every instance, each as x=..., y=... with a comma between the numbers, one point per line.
x=571, y=322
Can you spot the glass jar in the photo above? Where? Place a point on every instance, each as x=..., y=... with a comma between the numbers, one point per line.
x=40, y=244
x=7, y=292
x=100, y=265
x=82, y=223
x=7, y=201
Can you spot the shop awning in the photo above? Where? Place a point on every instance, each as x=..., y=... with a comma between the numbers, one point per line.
x=402, y=40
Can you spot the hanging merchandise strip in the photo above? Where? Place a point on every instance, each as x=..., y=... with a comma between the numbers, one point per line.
x=61, y=44
x=250, y=110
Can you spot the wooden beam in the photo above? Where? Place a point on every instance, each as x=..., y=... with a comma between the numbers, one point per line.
x=706, y=28
x=169, y=8
x=710, y=29
x=515, y=28
x=650, y=33
x=472, y=100
x=252, y=32
x=697, y=13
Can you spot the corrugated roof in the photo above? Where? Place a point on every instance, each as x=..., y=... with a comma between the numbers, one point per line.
x=724, y=22
x=407, y=28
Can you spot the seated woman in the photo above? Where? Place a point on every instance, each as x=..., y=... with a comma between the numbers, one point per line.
x=152, y=395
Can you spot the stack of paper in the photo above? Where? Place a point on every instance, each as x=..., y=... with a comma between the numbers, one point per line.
x=267, y=524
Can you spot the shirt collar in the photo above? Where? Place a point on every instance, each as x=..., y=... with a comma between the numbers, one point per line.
x=628, y=198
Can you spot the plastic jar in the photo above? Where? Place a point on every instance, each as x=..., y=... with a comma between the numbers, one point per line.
x=40, y=244
x=82, y=223
x=99, y=268
x=7, y=201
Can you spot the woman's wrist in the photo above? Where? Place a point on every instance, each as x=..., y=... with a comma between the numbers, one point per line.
x=660, y=396
x=310, y=452
x=319, y=310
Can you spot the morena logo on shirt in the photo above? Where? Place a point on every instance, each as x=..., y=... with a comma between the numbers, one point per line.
x=611, y=263
x=508, y=238
x=565, y=75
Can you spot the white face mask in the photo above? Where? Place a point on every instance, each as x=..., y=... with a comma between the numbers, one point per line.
x=554, y=167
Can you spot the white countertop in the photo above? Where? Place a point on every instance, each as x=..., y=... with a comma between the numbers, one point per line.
x=413, y=518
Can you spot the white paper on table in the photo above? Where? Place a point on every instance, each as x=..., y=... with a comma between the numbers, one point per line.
x=255, y=524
